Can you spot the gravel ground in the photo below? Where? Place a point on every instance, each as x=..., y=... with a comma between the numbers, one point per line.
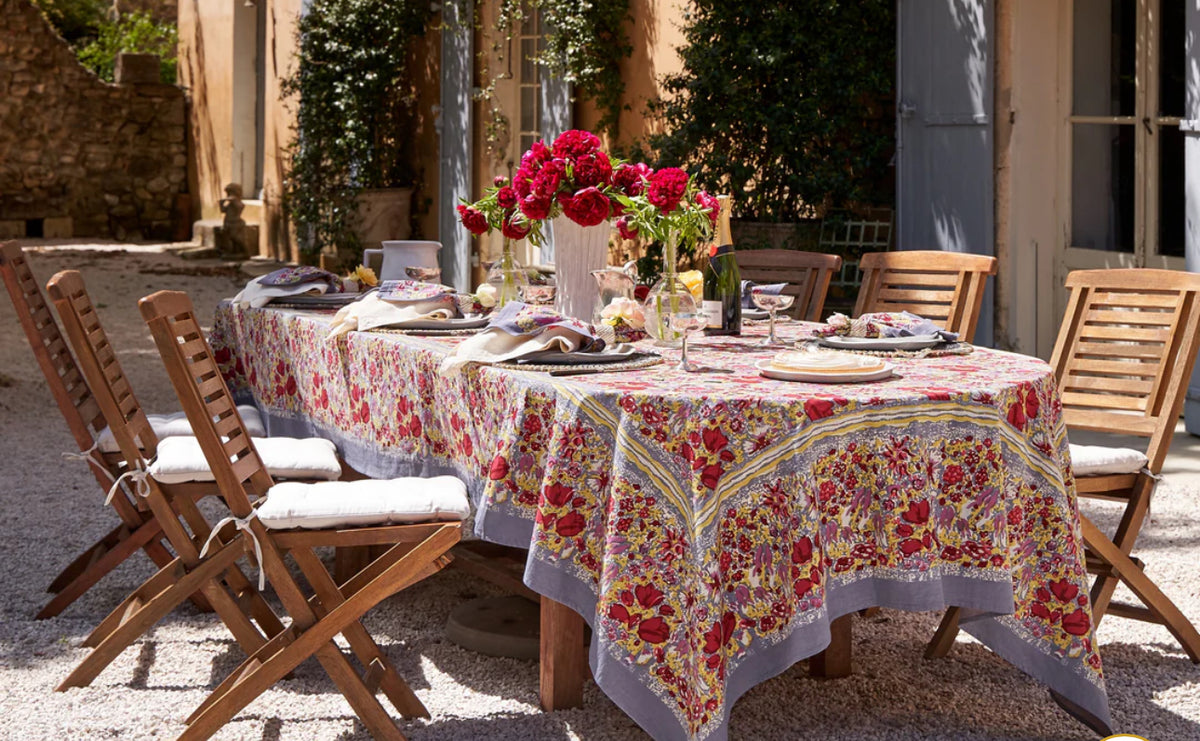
x=52, y=510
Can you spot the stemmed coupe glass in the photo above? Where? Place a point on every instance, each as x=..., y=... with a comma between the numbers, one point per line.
x=771, y=303
x=686, y=316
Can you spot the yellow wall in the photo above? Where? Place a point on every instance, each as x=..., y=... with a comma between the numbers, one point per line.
x=206, y=37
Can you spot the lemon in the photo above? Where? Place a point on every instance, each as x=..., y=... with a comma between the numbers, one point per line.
x=694, y=280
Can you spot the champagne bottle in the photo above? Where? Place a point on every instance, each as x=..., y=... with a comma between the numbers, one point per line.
x=722, y=280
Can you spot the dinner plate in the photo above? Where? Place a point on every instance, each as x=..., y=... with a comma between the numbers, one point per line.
x=755, y=314
x=766, y=369
x=319, y=299
x=612, y=354
x=918, y=342
x=458, y=322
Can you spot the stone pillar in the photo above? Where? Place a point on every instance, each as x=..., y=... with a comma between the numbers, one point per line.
x=137, y=69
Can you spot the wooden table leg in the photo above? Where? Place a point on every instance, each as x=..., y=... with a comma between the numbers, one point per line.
x=834, y=661
x=563, y=663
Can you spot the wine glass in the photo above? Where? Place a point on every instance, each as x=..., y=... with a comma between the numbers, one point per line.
x=686, y=316
x=771, y=303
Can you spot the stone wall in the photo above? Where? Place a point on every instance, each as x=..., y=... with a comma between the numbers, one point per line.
x=80, y=157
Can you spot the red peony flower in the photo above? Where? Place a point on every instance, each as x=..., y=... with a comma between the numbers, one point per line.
x=514, y=229
x=472, y=219
x=507, y=197
x=593, y=170
x=547, y=181
x=499, y=181
x=575, y=143
x=537, y=154
x=522, y=181
x=712, y=204
x=666, y=188
x=535, y=207
x=626, y=230
x=588, y=207
x=631, y=179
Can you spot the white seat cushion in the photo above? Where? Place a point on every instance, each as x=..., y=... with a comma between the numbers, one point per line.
x=180, y=459
x=361, y=503
x=176, y=425
x=1098, y=460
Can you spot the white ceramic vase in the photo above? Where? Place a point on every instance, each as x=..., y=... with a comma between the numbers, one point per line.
x=578, y=251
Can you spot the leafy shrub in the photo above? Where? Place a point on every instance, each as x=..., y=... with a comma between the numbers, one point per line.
x=354, y=123
x=784, y=104
x=75, y=19
x=136, y=33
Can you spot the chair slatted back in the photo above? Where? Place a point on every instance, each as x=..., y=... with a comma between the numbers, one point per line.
x=806, y=273
x=66, y=383
x=1126, y=352
x=205, y=398
x=944, y=287
x=98, y=361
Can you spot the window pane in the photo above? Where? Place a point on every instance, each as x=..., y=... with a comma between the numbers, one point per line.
x=1171, y=218
x=1102, y=187
x=528, y=66
x=1172, y=66
x=1105, y=57
x=528, y=108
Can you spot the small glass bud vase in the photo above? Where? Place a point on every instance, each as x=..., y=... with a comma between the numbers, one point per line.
x=665, y=298
x=507, y=276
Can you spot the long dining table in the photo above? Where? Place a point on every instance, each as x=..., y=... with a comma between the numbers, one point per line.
x=712, y=527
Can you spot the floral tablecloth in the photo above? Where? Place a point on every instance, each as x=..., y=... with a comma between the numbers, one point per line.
x=710, y=526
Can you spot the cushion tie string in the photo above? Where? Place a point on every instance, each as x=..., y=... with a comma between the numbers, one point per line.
x=139, y=476
x=86, y=455
x=243, y=524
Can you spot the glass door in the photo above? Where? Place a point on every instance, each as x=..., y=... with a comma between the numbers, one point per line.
x=1126, y=179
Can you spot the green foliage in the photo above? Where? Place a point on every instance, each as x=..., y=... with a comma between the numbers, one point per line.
x=74, y=19
x=784, y=104
x=354, y=122
x=137, y=33
x=585, y=43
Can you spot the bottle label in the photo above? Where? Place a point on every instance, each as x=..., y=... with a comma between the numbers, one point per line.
x=712, y=310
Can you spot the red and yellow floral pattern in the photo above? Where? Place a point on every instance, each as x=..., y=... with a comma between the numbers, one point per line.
x=712, y=517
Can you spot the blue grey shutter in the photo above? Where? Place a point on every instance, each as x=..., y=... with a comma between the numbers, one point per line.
x=1192, y=184
x=944, y=173
x=556, y=118
x=454, y=141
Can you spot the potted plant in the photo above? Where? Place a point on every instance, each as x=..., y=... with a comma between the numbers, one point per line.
x=351, y=162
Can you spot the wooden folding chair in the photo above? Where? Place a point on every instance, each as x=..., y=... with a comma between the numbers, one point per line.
x=220, y=581
x=806, y=273
x=138, y=530
x=944, y=287
x=288, y=520
x=1123, y=358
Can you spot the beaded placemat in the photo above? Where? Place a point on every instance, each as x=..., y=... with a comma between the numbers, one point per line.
x=638, y=362
x=937, y=351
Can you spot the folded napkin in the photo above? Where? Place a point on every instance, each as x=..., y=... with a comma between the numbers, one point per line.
x=772, y=288
x=519, y=330
x=292, y=281
x=373, y=311
x=883, y=324
x=825, y=362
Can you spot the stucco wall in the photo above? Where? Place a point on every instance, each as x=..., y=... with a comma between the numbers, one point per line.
x=108, y=158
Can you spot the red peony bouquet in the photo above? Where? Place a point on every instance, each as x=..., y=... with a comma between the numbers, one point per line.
x=573, y=177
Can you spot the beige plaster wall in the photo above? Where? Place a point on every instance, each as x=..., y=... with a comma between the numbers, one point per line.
x=1035, y=231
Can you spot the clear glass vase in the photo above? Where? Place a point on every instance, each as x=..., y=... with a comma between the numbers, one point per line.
x=507, y=276
x=666, y=297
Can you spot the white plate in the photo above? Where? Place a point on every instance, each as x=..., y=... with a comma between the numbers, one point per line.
x=765, y=369
x=610, y=354
x=458, y=322
x=919, y=342
x=756, y=314
x=319, y=299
